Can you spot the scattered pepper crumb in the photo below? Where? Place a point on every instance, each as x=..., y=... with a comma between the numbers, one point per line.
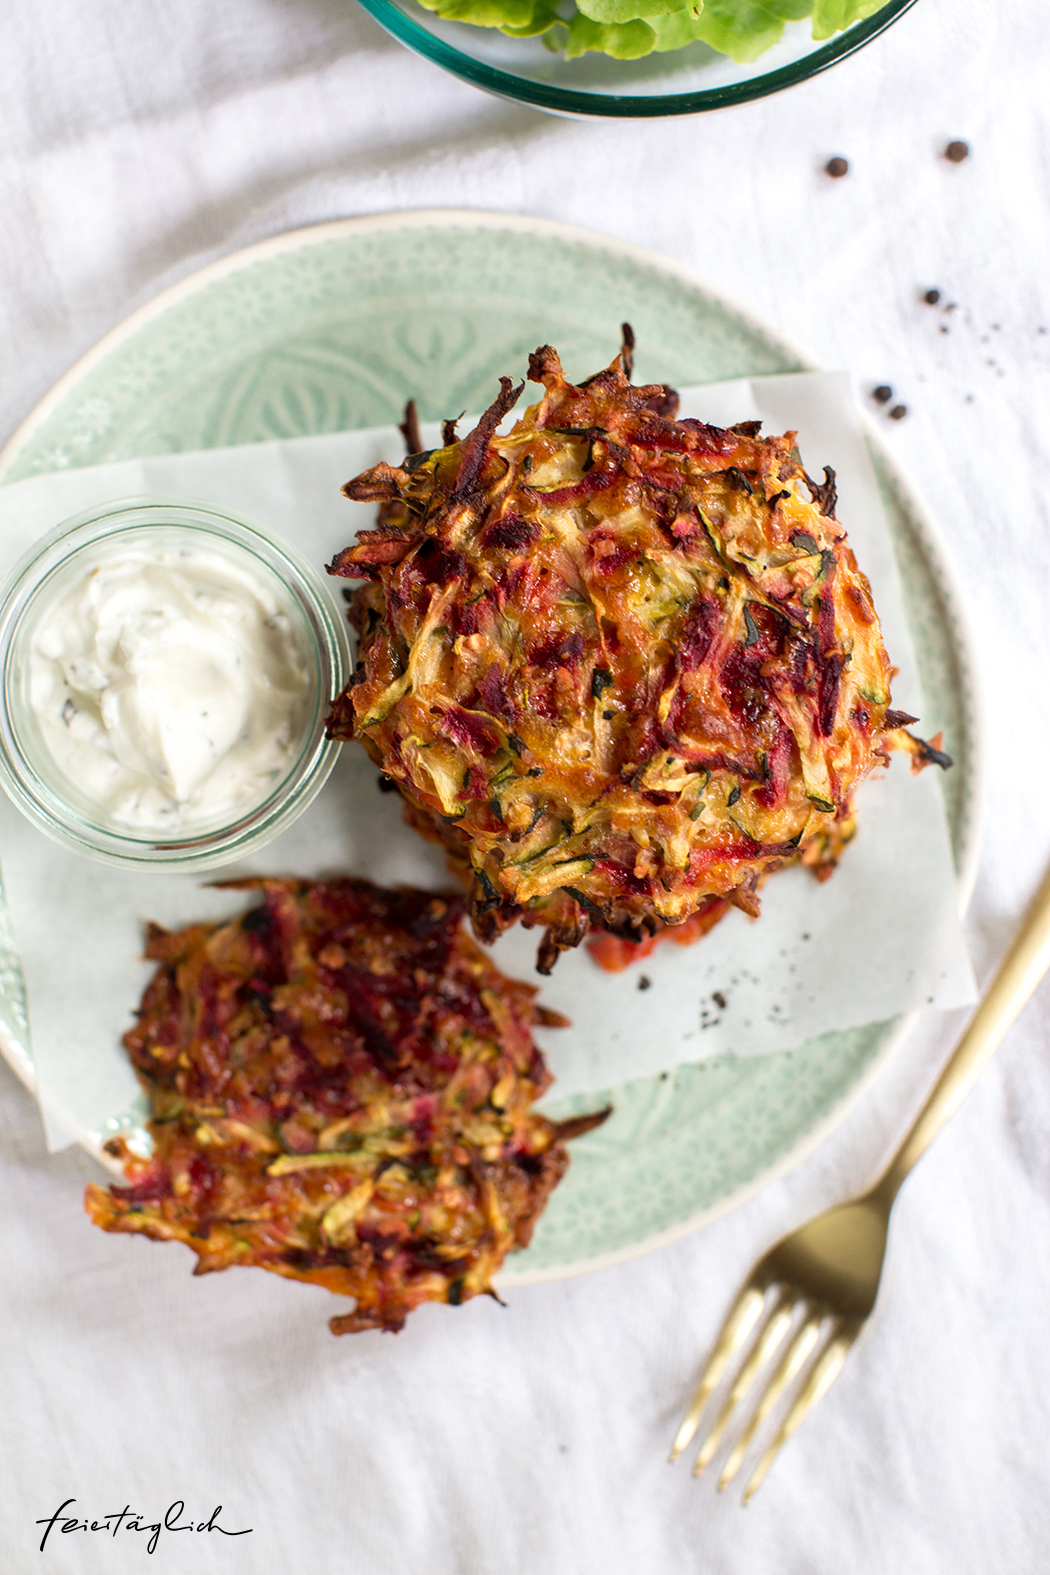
x=898, y=412
x=931, y=297
x=883, y=394
x=645, y=983
x=719, y=1000
x=955, y=152
x=837, y=167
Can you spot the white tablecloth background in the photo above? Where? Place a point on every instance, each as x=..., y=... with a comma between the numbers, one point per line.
x=139, y=139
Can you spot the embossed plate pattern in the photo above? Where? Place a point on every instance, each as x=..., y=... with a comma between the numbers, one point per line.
x=329, y=328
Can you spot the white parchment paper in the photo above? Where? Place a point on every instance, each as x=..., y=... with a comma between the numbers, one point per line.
x=881, y=937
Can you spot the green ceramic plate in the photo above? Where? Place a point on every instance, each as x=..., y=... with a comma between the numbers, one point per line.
x=327, y=329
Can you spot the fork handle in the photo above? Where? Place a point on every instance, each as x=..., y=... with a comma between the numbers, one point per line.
x=1019, y=973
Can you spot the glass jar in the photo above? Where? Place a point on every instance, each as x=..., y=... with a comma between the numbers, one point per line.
x=159, y=531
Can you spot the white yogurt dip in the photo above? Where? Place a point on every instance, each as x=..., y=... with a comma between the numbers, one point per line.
x=169, y=687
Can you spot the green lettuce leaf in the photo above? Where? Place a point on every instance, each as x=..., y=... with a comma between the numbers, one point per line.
x=484, y=13
x=543, y=17
x=621, y=40
x=628, y=10
x=741, y=29
x=628, y=29
x=674, y=32
x=831, y=16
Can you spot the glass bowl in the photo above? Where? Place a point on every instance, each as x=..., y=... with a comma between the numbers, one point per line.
x=292, y=603
x=680, y=82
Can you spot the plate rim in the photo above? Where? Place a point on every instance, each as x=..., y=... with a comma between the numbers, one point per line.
x=919, y=515
x=332, y=229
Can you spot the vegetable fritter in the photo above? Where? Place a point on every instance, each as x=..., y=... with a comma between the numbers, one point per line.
x=623, y=666
x=341, y=1087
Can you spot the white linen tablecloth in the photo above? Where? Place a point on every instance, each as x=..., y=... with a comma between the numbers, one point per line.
x=140, y=139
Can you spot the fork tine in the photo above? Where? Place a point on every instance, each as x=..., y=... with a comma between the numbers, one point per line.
x=766, y=1344
x=826, y=1370
x=732, y=1336
x=792, y=1362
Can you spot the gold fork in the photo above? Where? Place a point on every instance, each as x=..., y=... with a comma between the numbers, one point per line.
x=806, y=1301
